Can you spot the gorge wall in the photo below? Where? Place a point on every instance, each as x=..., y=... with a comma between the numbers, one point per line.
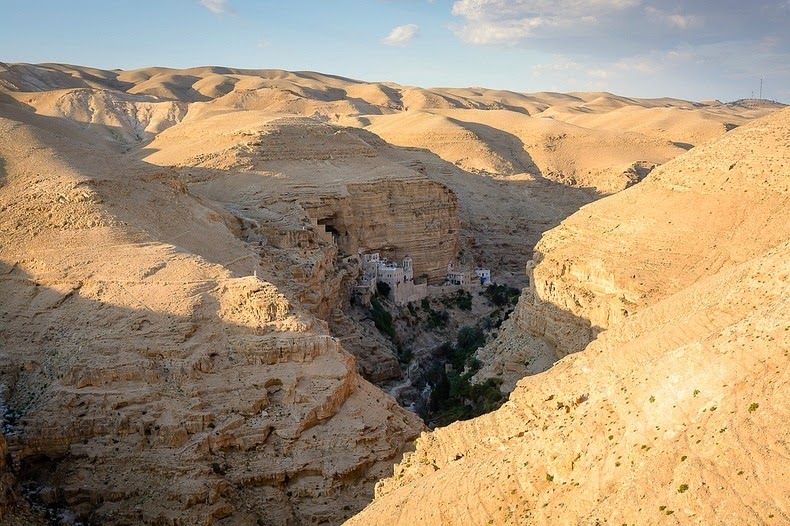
x=176, y=249
x=149, y=377
x=672, y=413
x=719, y=205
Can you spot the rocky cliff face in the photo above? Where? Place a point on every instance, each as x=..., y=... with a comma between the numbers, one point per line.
x=151, y=378
x=307, y=196
x=512, y=159
x=353, y=195
x=120, y=119
x=7, y=481
x=661, y=417
x=719, y=205
x=409, y=216
x=716, y=206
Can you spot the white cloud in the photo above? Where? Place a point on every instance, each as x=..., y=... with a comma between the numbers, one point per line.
x=571, y=74
x=217, y=7
x=509, y=21
x=640, y=64
x=589, y=74
x=401, y=35
x=599, y=73
x=676, y=20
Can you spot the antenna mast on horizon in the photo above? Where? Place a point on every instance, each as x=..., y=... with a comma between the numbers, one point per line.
x=761, y=89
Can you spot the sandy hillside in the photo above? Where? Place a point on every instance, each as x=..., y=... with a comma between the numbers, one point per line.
x=672, y=415
x=175, y=263
x=519, y=152
x=149, y=377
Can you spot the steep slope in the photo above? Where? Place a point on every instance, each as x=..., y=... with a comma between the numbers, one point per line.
x=174, y=251
x=675, y=414
x=507, y=142
x=340, y=177
x=718, y=205
x=534, y=146
x=453, y=141
x=150, y=378
x=125, y=119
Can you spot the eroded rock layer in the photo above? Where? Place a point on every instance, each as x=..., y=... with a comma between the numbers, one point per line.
x=716, y=206
x=177, y=245
x=150, y=377
x=349, y=190
x=518, y=163
x=675, y=411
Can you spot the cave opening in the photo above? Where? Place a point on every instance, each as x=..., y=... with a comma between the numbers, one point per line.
x=329, y=226
x=332, y=225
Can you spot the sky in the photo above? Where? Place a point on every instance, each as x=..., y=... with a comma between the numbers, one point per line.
x=694, y=50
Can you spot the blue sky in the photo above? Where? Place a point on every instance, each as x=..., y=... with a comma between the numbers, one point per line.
x=697, y=49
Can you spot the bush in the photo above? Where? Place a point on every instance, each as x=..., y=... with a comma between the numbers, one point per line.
x=437, y=319
x=404, y=355
x=469, y=339
x=382, y=319
x=464, y=300
x=454, y=397
x=502, y=295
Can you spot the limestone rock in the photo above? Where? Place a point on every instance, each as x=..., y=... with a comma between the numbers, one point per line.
x=718, y=205
x=175, y=246
x=150, y=382
x=663, y=416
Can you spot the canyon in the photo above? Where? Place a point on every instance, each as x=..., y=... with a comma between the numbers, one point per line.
x=178, y=250
x=667, y=406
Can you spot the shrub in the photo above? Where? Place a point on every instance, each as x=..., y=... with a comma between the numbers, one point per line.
x=437, y=319
x=502, y=295
x=382, y=319
x=453, y=396
x=404, y=354
x=469, y=339
x=463, y=300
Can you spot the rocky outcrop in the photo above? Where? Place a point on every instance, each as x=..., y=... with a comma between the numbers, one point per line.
x=515, y=353
x=166, y=329
x=151, y=378
x=123, y=120
x=376, y=356
x=308, y=196
x=7, y=481
x=398, y=217
x=354, y=196
x=662, y=416
x=716, y=206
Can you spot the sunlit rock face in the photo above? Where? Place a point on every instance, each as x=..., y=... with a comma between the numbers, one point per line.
x=674, y=411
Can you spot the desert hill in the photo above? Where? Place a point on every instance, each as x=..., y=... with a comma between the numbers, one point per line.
x=191, y=388
x=556, y=151
x=177, y=250
x=674, y=413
